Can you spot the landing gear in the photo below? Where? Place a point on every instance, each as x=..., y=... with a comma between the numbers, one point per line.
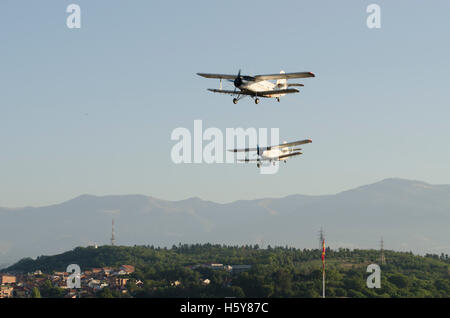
x=258, y=165
x=257, y=100
x=235, y=100
x=278, y=99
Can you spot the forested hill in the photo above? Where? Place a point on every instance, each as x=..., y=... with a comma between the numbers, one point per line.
x=275, y=272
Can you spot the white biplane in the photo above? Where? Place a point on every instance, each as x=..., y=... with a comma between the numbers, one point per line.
x=258, y=85
x=274, y=153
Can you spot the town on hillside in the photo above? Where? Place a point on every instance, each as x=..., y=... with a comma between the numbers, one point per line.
x=93, y=281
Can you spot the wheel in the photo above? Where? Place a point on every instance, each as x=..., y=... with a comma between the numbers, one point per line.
x=258, y=165
x=278, y=99
x=235, y=100
x=256, y=100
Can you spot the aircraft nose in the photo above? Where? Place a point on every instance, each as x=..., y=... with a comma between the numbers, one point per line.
x=237, y=82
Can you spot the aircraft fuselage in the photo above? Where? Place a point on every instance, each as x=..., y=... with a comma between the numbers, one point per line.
x=260, y=86
x=273, y=154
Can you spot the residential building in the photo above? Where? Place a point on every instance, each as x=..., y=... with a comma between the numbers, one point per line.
x=119, y=281
x=7, y=279
x=128, y=269
x=6, y=291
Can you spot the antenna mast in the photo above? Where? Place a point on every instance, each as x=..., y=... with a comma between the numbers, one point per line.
x=321, y=237
x=113, y=238
x=383, y=259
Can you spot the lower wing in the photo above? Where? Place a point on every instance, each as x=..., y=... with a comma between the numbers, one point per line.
x=248, y=160
x=252, y=93
x=289, y=155
x=282, y=157
x=222, y=91
x=255, y=160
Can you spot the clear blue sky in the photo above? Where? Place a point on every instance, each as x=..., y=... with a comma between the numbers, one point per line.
x=92, y=110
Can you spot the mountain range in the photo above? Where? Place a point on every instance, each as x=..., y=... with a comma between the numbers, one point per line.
x=409, y=216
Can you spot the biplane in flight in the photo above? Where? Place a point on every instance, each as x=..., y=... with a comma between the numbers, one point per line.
x=272, y=154
x=258, y=85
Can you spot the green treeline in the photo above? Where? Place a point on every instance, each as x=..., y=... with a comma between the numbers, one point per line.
x=275, y=272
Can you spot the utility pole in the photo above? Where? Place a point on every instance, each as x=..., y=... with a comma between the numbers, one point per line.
x=322, y=246
x=323, y=268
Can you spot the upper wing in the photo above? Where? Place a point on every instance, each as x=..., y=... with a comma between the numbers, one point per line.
x=288, y=144
x=224, y=76
x=259, y=77
x=284, y=76
x=289, y=155
x=291, y=144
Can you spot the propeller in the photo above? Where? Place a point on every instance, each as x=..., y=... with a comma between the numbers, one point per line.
x=258, y=152
x=238, y=80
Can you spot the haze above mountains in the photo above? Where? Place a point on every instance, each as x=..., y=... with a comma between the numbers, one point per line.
x=409, y=215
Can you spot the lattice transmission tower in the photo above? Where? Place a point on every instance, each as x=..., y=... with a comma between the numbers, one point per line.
x=113, y=237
